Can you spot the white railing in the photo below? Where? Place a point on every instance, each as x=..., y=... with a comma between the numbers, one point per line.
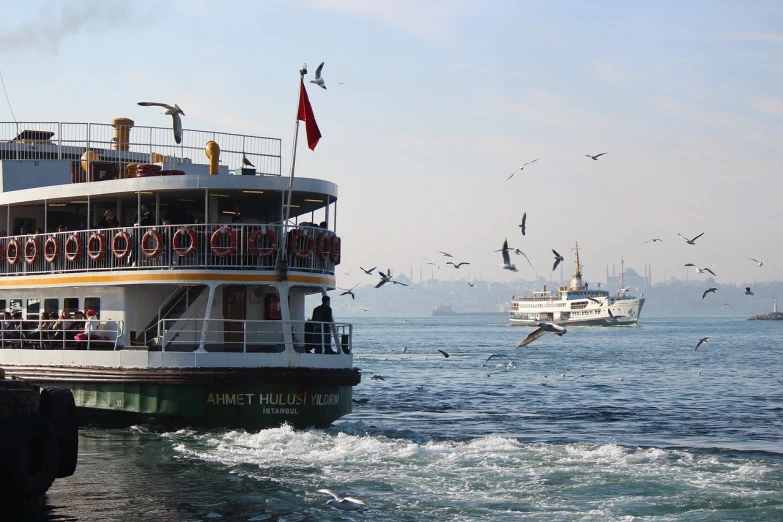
x=53, y=140
x=105, y=337
x=257, y=336
x=237, y=246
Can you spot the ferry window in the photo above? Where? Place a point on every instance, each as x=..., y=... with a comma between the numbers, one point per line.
x=93, y=303
x=2, y=305
x=33, y=308
x=52, y=306
x=16, y=306
x=27, y=223
x=71, y=304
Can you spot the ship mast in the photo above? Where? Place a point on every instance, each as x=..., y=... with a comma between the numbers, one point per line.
x=578, y=266
x=622, y=273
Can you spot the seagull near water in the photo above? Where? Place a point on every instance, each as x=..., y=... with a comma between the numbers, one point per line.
x=558, y=258
x=690, y=241
x=520, y=168
x=319, y=81
x=595, y=158
x=349, y=291
x=541, y=330
x=702, y=341
x=174, y=112
x=457, y=265
x=368, y=271
x=707, y=291
x=507, y=265
x=700, y=270
x=342, y=502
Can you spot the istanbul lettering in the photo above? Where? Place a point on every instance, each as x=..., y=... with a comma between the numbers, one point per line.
x=282, y=402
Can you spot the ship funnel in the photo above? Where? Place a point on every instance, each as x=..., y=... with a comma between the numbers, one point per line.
x=122, y=127
x=213, y=153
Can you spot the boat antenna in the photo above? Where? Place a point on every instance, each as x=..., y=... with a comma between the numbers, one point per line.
x=622, y=274
x=8, y=100
x=578, y=265
x=282, y=256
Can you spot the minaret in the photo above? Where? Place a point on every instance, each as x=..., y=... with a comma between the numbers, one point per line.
x=775, y=306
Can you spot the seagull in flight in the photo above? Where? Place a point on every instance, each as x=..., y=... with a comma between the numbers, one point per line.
x=599, y=303
x=702, y=341
x=558, y=258
x=707, y=291
x=690, y=241
x=653, y=240
x=700, y=270
x=174, y=112
x=445, y=254
x=444, y=354
x=471, y=284
x=595, y=158
x=506, y=265
x=522, y=226
x=349, y=291
x=747, y=291
x=522, y=167
x=368, y=271
x=457, y=265
x=541, y=330
x=386, y=278
x=760, y=263
x=623, y=290
x=436, y=265
x=341, y=502
x=319, y=81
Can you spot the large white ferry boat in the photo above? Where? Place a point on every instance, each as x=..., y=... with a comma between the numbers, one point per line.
x=577, y=305
x=195, y=311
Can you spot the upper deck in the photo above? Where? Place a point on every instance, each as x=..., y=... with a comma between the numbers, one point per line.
x=208, y=208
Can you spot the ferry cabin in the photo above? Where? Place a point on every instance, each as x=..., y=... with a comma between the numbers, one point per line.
x=222, y=265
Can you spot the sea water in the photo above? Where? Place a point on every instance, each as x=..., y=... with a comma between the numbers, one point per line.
x=623, y=423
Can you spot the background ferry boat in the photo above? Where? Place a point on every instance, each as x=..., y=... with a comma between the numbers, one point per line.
x=576, y=305
x=201, y=319
x=442, y=311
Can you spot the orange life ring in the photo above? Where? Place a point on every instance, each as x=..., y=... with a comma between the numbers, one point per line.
x=223, y=251
x=2, y=251
x=323, y=240
x=152, y=254
x=294, y=245
x=12, y=251
x=182, y=252
x=32, y=250
x=73, y=255
x=121, y=253
x=96, y=254
x=52, y=249
x=334, y=255
x=252, y=243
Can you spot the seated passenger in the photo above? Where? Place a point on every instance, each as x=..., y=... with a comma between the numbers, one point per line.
x=60, y=328
x=91, y=326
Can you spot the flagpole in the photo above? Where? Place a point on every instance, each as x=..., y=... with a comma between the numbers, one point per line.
x=282, y=256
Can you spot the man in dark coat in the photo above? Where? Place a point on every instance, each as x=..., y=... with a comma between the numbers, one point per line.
x=322, y=316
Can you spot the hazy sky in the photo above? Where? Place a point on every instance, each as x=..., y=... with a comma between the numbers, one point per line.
x=443, y=100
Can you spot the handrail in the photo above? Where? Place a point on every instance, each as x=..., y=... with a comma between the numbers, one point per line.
x=218, y=246
x=18, y=338
x=256, y=335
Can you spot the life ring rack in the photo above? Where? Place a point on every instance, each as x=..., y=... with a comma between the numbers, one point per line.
x=252, y=242
x=121, y=253
x=184, y=231
x=73, y=255
x=12, y=251
x=155, y=252
x=96, y=254
x=214, y=242
x=32, y=250
x=294, y=245
x=52, y=249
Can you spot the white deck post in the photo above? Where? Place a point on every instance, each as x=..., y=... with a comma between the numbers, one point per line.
x=207, y=314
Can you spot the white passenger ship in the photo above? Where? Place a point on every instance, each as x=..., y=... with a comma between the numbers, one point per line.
x=577, y=305
x=201, y=318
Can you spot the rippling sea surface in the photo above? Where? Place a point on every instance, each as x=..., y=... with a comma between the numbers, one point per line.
x=626, y=423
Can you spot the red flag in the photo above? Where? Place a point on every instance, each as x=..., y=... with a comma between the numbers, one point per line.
x=306, y=115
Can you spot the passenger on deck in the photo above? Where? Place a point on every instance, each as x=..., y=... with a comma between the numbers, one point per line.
x=108, y=220
x=10, y=332
x=89, y=332
x=77, y=326
x=146, y=219
x=60, y=328
x=323, y=319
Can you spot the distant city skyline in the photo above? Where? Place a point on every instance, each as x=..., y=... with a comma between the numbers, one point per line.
x=430, y=106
